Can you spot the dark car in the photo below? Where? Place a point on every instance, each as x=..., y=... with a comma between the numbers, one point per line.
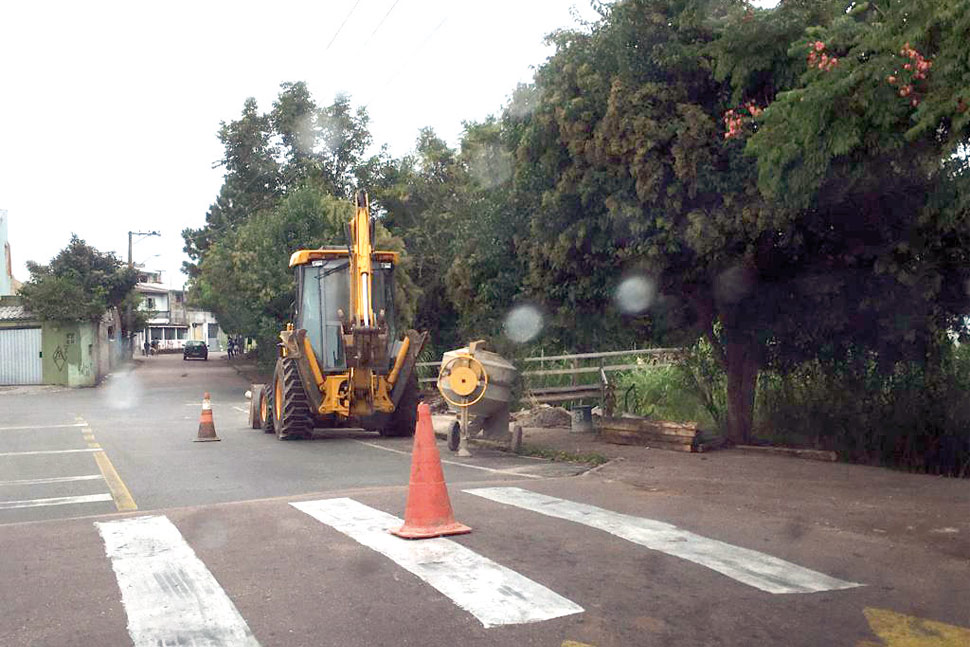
x=195, y=349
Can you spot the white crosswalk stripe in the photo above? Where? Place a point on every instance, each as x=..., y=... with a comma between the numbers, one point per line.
x=489, y=591
x=751, y=567
x=171, y=598
x=51, y=501
x=169, y=595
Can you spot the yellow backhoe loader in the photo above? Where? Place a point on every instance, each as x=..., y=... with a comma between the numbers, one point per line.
x=342, y=363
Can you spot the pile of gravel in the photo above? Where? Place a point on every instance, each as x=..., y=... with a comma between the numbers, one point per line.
x=543, y=416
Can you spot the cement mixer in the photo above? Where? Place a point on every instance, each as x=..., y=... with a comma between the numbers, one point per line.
x=477, y=385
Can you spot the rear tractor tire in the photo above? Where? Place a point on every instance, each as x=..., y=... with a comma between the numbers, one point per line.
x=256, y=394
x=405, y=416
x=266, y=409
x=291, y=409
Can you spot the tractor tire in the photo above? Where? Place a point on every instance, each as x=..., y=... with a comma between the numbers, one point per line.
x=256, y=394
x=266, y=409
x=291, y=409
x=405, y=417
x=454, y=436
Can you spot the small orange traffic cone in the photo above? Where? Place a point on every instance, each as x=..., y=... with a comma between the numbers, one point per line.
x=428, y=511
x=207, y=428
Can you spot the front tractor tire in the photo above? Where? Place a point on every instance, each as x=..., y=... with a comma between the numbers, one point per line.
x=291, y=409
x=405, y=416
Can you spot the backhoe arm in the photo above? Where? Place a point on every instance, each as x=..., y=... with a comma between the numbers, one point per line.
x=365, y=335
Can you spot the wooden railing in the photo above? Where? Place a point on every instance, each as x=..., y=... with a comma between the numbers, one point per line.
x=599, y=389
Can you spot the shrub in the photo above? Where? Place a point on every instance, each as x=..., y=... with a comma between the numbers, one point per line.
x=905, y=415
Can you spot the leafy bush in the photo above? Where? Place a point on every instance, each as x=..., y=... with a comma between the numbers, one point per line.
x=905, y=415
x=693, y=390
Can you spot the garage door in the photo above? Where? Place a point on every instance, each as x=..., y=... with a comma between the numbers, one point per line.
x=20, y=361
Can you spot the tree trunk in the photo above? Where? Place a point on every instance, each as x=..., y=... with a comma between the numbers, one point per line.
x=742, y=363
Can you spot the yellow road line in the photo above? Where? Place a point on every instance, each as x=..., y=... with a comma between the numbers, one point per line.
x=119, y=491
x=900, y=630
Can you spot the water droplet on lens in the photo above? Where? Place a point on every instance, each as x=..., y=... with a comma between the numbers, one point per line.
x=733, y=284
x=635, y=294
x=523, y=323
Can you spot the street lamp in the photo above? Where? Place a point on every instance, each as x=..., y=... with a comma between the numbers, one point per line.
x=131, y=265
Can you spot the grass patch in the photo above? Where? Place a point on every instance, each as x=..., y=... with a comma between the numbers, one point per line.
x=590, y=458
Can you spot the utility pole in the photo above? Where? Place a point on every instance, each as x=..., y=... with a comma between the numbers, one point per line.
x=131, y=265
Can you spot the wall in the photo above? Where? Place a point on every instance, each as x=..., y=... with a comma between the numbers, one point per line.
x=71, y=353
x=198, y=321
x=109, y=348
x=6, y=286
x=75, y=354
x=161, y=301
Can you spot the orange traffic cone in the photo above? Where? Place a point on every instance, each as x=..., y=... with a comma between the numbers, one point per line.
x=428, y=512
x=207, y=428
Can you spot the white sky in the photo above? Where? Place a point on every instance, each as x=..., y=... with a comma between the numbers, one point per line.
x=109, y=110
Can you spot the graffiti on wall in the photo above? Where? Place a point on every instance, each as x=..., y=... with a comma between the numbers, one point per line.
x=60, y=358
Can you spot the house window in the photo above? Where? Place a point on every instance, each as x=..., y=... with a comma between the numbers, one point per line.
x=150, y=303
x=170, y=333
x=182, y=332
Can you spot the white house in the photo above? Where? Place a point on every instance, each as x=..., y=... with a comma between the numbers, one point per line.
x=8, y=285
x=172, y=322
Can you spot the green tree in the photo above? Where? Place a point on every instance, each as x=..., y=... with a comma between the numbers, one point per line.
x=253, y=181
x=268, y=155
x=79, y=284
x=840, y=224
x=245, y=278
x=424, y=199
x=860, y=149
x=484, y=278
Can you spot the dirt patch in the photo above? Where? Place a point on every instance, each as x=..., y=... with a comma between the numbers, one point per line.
x=544, y=416
x=434, y=400
x=252, y=372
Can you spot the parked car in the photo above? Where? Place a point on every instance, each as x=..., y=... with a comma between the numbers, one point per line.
x=195, y=349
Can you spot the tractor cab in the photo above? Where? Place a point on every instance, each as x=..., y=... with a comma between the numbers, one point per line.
x=324, y=286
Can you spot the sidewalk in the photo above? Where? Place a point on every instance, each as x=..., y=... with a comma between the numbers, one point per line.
x=917, y=509
x=249, y=370
x=921, y=509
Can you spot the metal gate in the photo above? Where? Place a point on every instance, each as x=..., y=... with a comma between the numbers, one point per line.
x=20, y=360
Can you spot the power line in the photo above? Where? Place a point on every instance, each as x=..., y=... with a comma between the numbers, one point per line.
x=413, y=53
x=337, y=33
x=369, y=38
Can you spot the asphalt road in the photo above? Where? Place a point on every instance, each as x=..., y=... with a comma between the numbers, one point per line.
x=255, y=541
x=145, y=420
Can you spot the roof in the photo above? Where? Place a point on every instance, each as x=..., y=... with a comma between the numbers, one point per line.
x=304, y=256
x=14, y=313
x=154, y=288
